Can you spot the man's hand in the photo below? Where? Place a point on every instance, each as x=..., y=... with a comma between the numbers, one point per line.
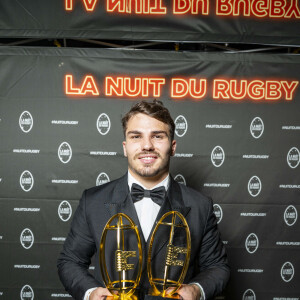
x=99, y=294
x=189, y=292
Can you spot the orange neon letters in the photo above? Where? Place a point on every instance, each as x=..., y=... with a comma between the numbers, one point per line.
x=88, y=86
x=254, y=89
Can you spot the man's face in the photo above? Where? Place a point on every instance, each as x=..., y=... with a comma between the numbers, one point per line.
x=148, y=147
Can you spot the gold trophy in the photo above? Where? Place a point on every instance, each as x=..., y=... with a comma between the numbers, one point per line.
x=176, y=256
x=121, y=230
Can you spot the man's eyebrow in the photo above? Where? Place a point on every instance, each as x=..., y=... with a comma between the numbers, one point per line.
x=152, y=132
x=159, y=132
x=134, y=132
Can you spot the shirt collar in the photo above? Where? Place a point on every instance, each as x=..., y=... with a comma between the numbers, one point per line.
x=165, y=182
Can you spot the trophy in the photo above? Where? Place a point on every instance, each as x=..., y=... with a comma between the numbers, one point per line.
x=120, y=232
x=177, y=255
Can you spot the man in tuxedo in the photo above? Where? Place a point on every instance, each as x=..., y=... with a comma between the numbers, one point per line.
x=149, y=144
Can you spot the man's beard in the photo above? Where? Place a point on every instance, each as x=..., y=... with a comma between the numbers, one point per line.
x=149, y=171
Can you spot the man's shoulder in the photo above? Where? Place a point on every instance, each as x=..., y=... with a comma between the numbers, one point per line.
x=192, y=196
x=106, y=188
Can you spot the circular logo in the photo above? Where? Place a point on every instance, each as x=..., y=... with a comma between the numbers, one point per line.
x=257, y=127
x=249, y=295
x=217, y=156
x=103, y=124
x=26, y=181
x=287, y=272
x=290, y=215
x=254, y=186
x=64, y=211
x=251, y=243
x=180, y=179
x=27, y=293
x=218, y=212
x=293, y=158
x=181, y=126
x=27, y=238
x=26, y=121
x=102, y=179
x=64, y=152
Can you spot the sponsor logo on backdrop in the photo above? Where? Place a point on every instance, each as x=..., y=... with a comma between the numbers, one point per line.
x=218, y=212
x=254, y=186
x=26, y=181
x=289, y=186
x=27, y=293
x=103, y=124
x=293, y=158
x=64, y=152
x=58, y=239
x=102, y=179
x=285, y=298
x=27, y=266
x=251, y=243
x=290, y=215
x=27, y=209
x=64, y=122
x=247, y=214
x=217, y=156
x=256, y=156
x=179, y=178
x=64, y=211
x=216, y=185
x=27, y=238
x=26, y=121
x=181, y=126
x=27, y=151
x=287, y=271
x=55, y=295
x=249, y=295
x=103, y=153
x=286, y=243
x=183, y=155
x=257, y=127
x=250, y=270
x=65, y=181
x=290, y=127
x=218, y=126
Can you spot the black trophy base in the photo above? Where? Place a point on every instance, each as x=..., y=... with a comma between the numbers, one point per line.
x=150, y=297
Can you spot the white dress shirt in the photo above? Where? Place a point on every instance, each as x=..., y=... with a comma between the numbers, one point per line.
x=146, y=209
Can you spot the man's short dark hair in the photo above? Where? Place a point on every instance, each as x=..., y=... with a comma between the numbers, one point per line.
x=154, y=109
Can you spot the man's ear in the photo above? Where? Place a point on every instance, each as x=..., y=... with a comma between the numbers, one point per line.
x=124, y=148
x=173, y=147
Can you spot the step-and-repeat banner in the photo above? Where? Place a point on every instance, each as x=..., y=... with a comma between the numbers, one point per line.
x=229, y=21
x=237, y=129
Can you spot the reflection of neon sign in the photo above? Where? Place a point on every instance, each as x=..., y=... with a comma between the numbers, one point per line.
x=184, y=88
x=258, y=8
x=278, y=9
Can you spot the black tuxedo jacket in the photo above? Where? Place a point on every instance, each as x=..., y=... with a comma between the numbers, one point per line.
x=208, y=261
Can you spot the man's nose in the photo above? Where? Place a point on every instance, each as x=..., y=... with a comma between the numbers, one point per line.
x=147, y=144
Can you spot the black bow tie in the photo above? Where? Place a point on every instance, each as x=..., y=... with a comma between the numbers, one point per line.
x=157, y=195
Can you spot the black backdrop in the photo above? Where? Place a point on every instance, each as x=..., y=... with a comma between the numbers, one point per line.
x=244, y=153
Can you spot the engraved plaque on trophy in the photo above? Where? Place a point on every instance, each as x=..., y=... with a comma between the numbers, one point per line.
x=167, y=276
x=122, y=276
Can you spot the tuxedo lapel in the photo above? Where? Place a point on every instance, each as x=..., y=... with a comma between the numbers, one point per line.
x=121, y=202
